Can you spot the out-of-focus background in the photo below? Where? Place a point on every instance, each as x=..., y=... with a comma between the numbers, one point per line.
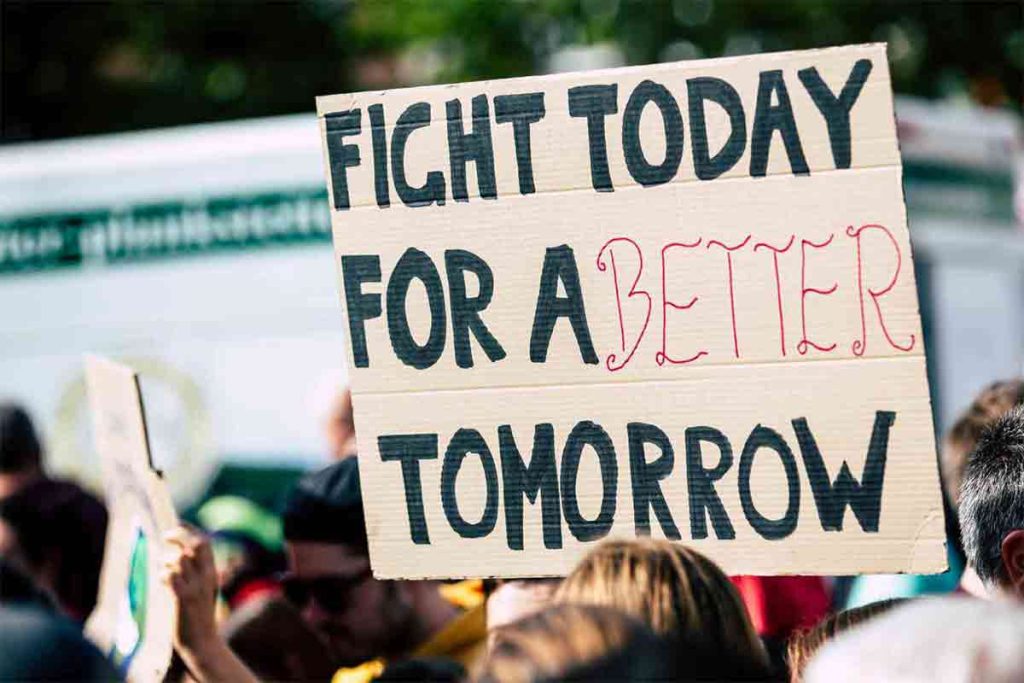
x=162, y=196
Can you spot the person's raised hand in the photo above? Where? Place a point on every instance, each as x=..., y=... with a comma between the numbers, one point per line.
x=190, y=571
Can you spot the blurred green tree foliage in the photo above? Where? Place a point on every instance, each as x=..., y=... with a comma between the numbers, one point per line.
x=72, y=68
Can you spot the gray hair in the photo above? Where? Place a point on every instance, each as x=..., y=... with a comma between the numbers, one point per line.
x=931, y=640
x=992, y=494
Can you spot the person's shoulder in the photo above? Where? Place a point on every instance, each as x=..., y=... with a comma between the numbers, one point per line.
x=463, y=594
x=56, y=490
x=41, y=645
x=66, y=494
x=462, y=639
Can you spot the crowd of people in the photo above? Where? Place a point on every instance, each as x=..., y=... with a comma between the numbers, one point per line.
x=291, y=596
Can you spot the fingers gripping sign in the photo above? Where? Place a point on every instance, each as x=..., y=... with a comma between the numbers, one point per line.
x=190, y=572
x=192, y=576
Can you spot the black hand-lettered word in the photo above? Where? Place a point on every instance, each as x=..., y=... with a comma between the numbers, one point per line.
x=475, y=145
x=553, y=480
x=472, y=140
x=356, y=270
x=773, y=112
x=466, y=319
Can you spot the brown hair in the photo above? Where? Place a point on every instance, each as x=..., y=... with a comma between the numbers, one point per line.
x=673, y=589
x=804, y=644
x=555, y=641
x=992, y=403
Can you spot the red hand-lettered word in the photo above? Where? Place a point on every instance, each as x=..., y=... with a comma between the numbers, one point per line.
x=619, y=251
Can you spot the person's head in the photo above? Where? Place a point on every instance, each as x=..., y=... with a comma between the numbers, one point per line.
x=330, y=581
x=20, y=453
x=931, y=640
x=247, y=544
x=59, y=531
x=992, y=505
x=341, y=427
x=552, y=643
x=804, y=644
x=673, y=589
x=38, y=645
x=992, y=403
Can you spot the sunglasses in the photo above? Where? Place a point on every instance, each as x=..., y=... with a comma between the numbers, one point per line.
x=331, y=593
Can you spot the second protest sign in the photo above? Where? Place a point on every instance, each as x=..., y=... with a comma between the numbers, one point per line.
x=674, y=300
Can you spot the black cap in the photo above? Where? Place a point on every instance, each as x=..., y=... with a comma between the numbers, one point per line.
x=327, y=507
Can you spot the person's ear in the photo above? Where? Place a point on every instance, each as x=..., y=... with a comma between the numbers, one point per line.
x=1012, y=552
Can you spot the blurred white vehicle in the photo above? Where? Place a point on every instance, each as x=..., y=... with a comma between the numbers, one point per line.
x=201, y=256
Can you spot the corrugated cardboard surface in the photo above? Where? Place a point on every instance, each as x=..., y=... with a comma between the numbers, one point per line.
x=751, y=308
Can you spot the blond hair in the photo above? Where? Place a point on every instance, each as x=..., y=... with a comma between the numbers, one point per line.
x=673, y=589
x=557, y=640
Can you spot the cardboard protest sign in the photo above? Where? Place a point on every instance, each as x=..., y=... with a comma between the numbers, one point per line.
x=135, y=613
x=675, y=300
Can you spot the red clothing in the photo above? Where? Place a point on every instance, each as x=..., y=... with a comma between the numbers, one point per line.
x=779, y=605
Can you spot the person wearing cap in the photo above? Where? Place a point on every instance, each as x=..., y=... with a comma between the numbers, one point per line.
x=248, y=548
x=366, y=622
